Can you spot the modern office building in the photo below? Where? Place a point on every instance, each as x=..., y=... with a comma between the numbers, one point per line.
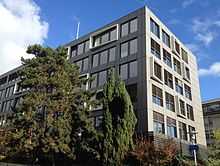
x=211, y=112
x=159, y=71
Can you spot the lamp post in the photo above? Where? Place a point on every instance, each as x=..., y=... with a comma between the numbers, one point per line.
x=192, y=135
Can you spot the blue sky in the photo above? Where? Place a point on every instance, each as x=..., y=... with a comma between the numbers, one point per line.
x=179, y=15
x=196, y=23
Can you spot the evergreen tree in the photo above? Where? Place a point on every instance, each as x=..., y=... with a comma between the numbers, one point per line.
x=119, y=122
x=53, y=117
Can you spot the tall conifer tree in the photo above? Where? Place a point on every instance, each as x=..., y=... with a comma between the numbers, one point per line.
x=119, y=122
x=53, y=118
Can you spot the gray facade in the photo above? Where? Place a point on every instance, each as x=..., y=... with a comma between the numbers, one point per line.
x=160, y=73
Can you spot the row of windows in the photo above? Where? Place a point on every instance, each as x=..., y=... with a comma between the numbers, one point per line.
x=80, y=48
x=167, y=59
x=155, y=29
x=129, y=27
x=105, y=37
x=159, y=127
x=185, y=109
x=102, y=58
x=168, y=80
x=128, y=70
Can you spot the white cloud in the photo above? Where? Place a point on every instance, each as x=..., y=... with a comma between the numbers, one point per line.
x=205, y=29
x=187, y=3
x=21, y=26
x=213, y=70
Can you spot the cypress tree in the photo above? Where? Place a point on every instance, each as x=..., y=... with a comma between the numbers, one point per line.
x=119, y=122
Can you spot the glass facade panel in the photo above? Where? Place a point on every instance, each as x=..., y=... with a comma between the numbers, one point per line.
x=124, y=71
x=124, y=29
x=133, y=46
x=124, y=50
x=113, y=35
x=104, y=57
x=155, y=48
x=102, y=78
x=154, y=27
x=133, y=69
x=95, y=60
x=105, y=38
x=112, y=54
x=80, y=49
x=93, y=83
x=166, y=38
x=133, y=26
x=85, y=64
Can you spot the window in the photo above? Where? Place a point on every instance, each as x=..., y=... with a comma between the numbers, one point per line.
x=93, y=83
x=184, y=55
x=154, y=27
x=104, y=37
x=129, y=48
x=113, y=34
x=188, y=93
x=182, y=131
x=82, y=64
x=171, y=127
x=182, y=107
x=95, y=60
x=124, y=71
x=157, y=71
x=104, y=57
x=133, y=69
x=177, y=66
x=177, y=47
x=124, y=50
x=96, y=41
x=87, y=43
x=129, y=27
x=80, y=49
x=133, y=46
x=166, y=38
x=128, y=70
x=155, y=48
x=168, y=79
x=187, y=73
x=179, y=86
x=124, y=29
x=170, y=102
x=102, y=78
x=112, y=54
x=74, y=51
x=191, y=131
x=158, y=123
x=167, y=58
x=157, y=95
x=133, y=25
x=85, y=64
x=190, y=114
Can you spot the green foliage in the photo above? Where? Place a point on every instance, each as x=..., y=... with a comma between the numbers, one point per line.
x=119, y=122
x=214, y=150
x=53, y=111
